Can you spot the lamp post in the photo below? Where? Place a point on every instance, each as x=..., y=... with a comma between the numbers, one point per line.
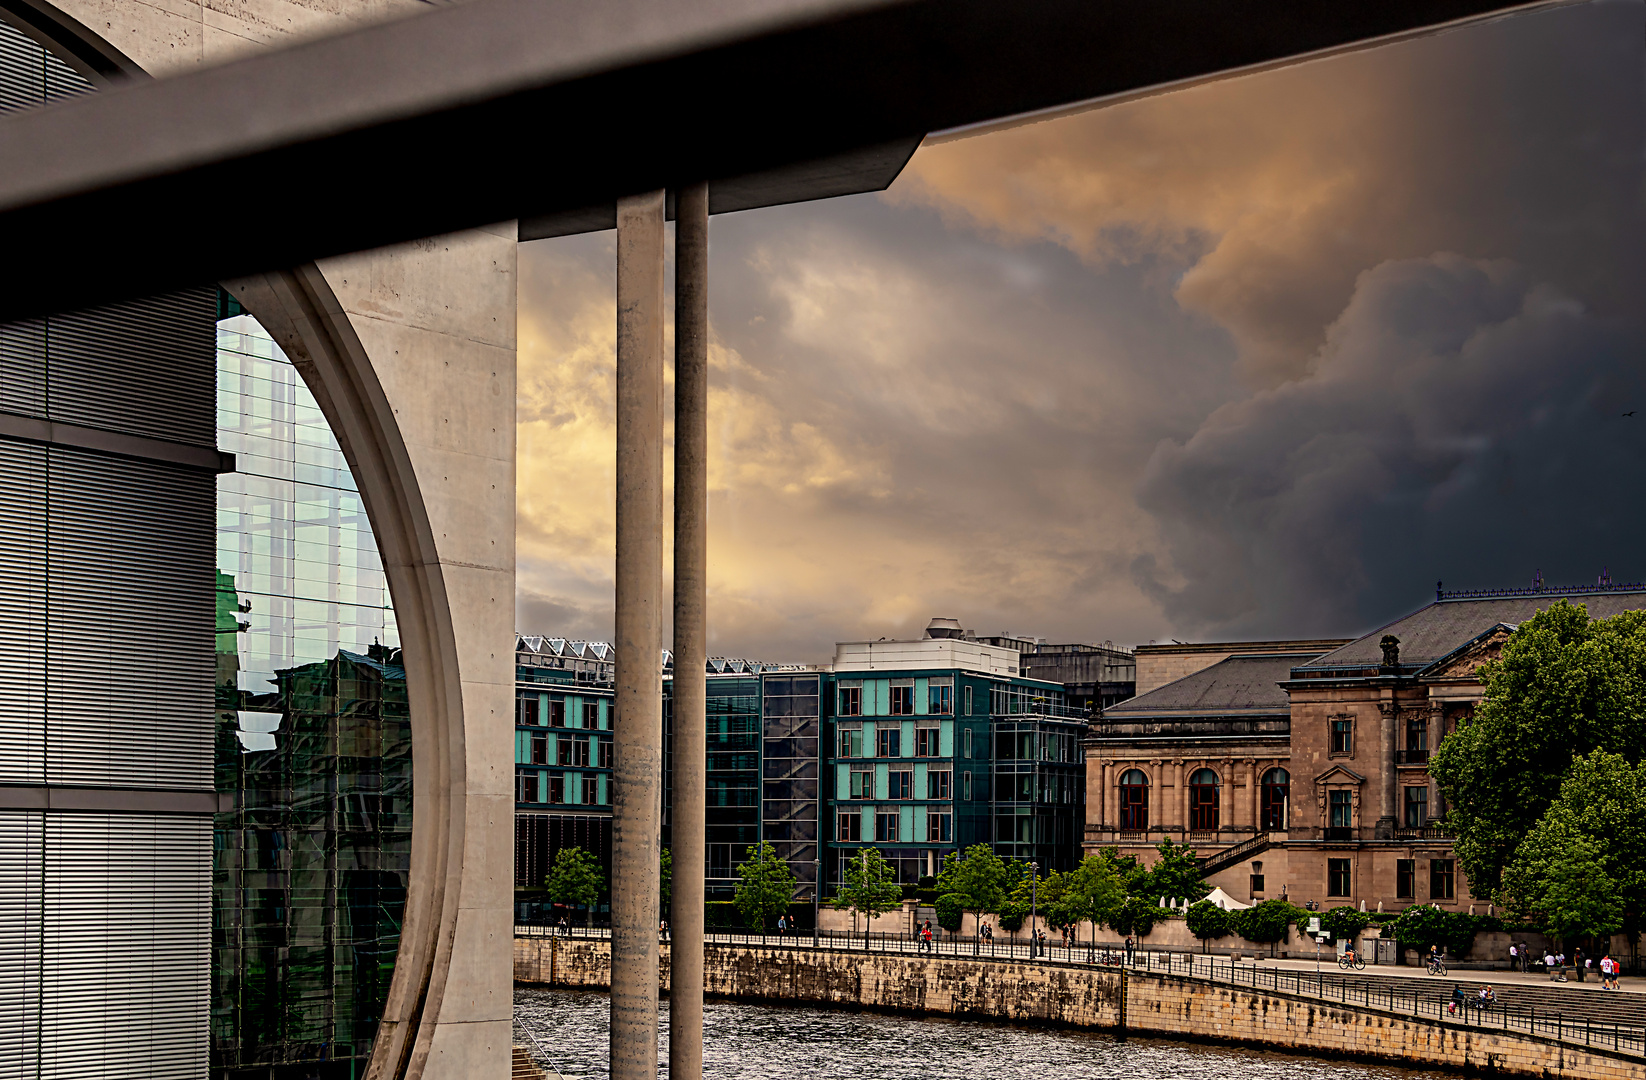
x=1034, y=934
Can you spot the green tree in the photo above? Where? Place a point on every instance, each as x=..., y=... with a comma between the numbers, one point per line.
x=978, y=878
x=870, y=889
x=1266, y=923
x=1206, y=921
x=1092, y=892
x=765, y=885
x=1423, y=925
x=1582, y=868
x=951, y=912
x=1136, y=915
x=1344, y=923
x=1174, y=876
x=666, y=879
x=1564, y=687
x=575, y=878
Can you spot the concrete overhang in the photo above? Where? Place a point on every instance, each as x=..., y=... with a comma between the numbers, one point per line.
x=498, y=110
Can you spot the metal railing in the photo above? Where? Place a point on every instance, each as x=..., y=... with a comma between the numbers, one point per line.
x=1362, y=992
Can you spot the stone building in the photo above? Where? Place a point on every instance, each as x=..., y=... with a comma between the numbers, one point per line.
x=1302, y=771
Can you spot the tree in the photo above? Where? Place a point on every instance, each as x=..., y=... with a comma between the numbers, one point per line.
x=978, y=878
x=1582, y=868
x=1423, y=925
x=764, y=888
x=951, y=912
x=1206, y=921
x=1092, y=892
x=870, y=889
x=1136, y=915
x=1344, y=923
x=1564, y=686
x=665, y=882
x=575, y=878
x=1174, y=876
x=1265, y=923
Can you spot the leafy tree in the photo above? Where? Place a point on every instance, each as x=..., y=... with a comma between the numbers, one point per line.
x=1422, y=925
x=1582, y=868
x=870, y=889
x=765, y=886
x=1092, y=892
x=951, y=912
x=1012, y=913
x=978, y=878
x=1265, y=923
x=666, y=878
x=575, y=878
x=1206, y=921
x=1344, y=923
x=1564, y=687
x=1174, y=876
x=1136, y=915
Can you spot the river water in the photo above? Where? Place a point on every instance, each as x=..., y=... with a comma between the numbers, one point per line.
x=759, y=1042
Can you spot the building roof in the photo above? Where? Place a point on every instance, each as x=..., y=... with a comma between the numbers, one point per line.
x=1438, y=630
x=1238, y=684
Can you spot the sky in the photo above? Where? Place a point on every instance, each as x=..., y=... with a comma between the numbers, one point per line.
x=1265, y=358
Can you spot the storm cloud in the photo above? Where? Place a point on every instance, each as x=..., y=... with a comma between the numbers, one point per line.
x=1265, y=357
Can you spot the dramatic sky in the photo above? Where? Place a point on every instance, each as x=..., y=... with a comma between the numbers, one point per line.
x=1264, y=358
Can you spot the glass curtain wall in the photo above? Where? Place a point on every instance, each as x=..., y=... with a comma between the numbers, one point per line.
x=314, y=742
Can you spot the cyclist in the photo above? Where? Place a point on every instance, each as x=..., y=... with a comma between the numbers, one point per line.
x=1436, y=964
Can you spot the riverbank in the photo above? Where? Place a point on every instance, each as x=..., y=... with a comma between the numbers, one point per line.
x=1165, y=1004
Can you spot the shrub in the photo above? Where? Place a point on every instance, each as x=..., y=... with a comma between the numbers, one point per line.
x=1137, y=915
x=1012, y=915
x=1265, y=923
x=951, y=912
x=1420, y=926
x=1344, y=923
x=1206, y=920
x=721, y=915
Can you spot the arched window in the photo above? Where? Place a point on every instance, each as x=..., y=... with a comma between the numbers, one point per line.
x=1203, y=801
x=1277, y=786
x=1134, y=801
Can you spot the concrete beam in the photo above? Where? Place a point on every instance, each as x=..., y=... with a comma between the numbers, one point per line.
x=402, y=112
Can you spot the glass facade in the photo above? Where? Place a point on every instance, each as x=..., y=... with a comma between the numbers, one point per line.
x=310, y=863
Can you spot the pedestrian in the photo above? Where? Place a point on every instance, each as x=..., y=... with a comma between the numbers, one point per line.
x=1514, y=957
x=926, y=936
x=1578, y=963
x=663, y=930
x=1608, y=967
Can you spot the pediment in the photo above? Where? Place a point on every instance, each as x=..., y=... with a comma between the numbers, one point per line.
x=1465, y=662
x=1337, y=774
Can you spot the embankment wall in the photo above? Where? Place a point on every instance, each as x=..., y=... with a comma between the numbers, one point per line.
x=1170, y=1006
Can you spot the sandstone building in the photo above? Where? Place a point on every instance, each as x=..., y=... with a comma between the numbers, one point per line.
x=1300, y=768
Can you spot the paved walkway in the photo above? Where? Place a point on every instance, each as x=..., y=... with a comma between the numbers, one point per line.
x=1496, y=978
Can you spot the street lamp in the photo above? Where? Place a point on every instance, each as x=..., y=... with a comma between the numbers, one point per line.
x=1034, y=935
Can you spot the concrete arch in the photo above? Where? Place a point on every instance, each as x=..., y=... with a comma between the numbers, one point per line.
x=410, y=352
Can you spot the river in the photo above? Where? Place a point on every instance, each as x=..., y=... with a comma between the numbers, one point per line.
x=762, y=1042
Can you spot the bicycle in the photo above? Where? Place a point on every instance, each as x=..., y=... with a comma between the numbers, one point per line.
x=1351, y=960
x=1437, y=967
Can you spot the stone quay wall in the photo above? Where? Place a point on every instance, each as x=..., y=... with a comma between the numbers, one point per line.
x=1168, y=1006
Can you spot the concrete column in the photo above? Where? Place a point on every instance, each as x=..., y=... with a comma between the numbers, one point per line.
x=638, y=740
x=1386, y=777
x=1157, y=794
x=1108, y=797
x=691, y=496
x=1437, y=731
x=1180, y=798
x=1250, y=818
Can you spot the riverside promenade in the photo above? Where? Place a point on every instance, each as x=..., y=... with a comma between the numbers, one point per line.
x=1175, y=996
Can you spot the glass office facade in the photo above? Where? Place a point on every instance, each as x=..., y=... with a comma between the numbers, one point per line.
x=310, y=861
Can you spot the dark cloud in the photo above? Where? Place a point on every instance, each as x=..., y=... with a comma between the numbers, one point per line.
x=1460, y=421
x=1266, y=357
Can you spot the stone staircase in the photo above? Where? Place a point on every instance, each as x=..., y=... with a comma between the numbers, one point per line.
x=527, y=1069
x=1546, y=998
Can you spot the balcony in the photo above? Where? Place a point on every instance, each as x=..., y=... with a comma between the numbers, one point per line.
x=1425, y=832
x=1412, y=757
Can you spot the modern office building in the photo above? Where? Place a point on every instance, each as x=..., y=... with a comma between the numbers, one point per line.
x=563, y=759
x=940, y=744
